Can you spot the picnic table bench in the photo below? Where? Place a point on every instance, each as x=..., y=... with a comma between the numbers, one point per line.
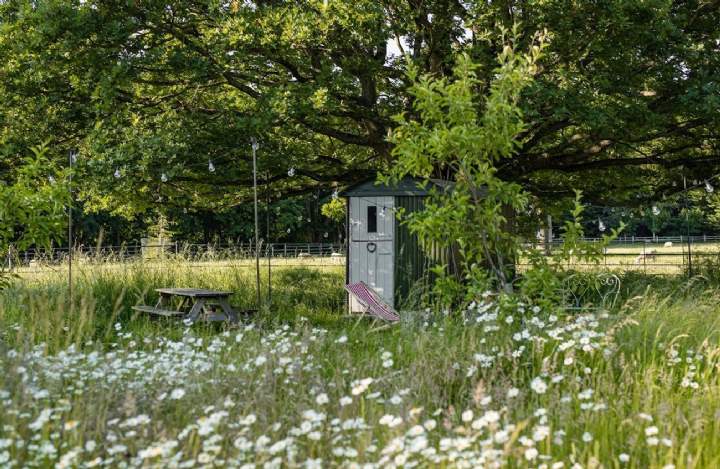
x=191, y=305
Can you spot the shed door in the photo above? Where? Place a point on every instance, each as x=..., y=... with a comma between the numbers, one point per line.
x=372, y=226
x=372, y=218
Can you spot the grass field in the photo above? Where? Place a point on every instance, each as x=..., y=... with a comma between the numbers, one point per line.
x=645, y=257
x=650, y=258
x=656, y=258
x=302, y=386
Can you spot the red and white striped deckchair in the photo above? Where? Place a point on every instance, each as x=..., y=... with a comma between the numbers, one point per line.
x=373, y=304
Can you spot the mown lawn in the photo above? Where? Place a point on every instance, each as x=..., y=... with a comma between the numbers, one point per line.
x=302, y=386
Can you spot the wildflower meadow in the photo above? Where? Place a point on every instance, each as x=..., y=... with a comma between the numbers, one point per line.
x=508, y=385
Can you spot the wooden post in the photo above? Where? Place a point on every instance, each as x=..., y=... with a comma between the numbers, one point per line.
x=687, y=221
x=267, y=208
x=271, y=251
x=644, y=259
x=548, y=236
x=254, y=145
x=71, y=160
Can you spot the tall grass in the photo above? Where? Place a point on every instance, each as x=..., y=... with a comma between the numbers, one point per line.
x=636, y=386
x=104, y=294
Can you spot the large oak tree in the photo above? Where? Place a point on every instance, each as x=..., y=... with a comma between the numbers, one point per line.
x=626, y=103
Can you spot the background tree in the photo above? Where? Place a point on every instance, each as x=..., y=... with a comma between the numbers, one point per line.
x=32, y=212
x=625, y=102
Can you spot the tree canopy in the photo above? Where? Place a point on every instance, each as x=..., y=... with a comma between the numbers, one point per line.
x=625, y=103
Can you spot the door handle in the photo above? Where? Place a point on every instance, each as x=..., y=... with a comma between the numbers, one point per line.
x=371, y=247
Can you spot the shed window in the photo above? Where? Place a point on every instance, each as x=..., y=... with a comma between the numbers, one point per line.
x=372, y=219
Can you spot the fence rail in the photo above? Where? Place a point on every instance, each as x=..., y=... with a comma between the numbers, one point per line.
x=195, y=252
x=695, y=239
x=660, y=254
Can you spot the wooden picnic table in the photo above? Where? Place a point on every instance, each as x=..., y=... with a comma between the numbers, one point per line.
x=191, y=305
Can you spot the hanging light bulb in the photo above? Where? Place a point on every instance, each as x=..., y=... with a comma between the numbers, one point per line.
x=291, y=171
x=288, y=230
x=211, y=166
x=325, y=235
x=656, y=210
x=708, y=187
x=601, y=225
x=163, y=177
x=117, y=173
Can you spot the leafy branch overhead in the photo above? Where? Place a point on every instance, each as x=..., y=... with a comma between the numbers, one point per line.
x=625, y=99
x=32, y=212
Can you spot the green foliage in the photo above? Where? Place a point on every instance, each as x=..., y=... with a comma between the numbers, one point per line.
x=707, y=267
x=160, y=230
x=446, y=290
x=542, y=283
x=32, y=212
x=150, y=97
x=628, y=92
x=694, y=211
x=457, y=131
x=574, y=247
x=335, y=209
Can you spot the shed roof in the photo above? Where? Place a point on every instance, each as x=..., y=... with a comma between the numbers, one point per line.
x=406, y=186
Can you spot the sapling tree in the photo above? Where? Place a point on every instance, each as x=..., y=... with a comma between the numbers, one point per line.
x=542, y=282
x=462, y=130
x=32, y=212
x=335, y=210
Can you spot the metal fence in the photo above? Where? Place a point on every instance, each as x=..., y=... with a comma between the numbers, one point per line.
x=653, y=255
x=665, y=254
x=695, y=239
x=175, y=250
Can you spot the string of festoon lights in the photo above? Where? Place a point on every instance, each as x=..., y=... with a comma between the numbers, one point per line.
x=211, y=169
x=706, y=184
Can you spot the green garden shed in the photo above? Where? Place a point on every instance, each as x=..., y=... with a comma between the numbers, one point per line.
x=381, y=250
